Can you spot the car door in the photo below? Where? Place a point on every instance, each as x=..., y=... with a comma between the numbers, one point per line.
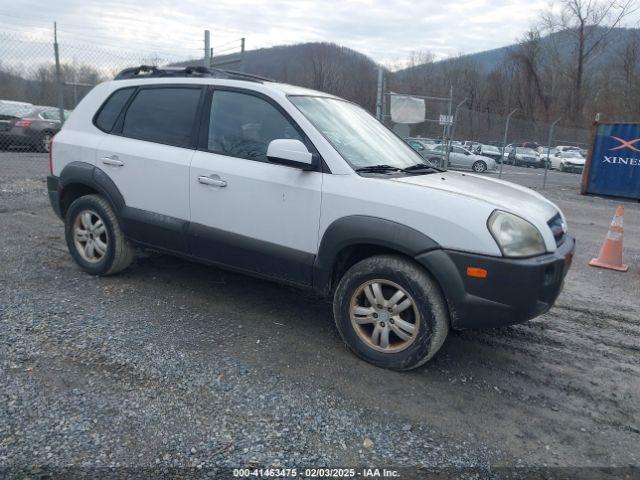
x=246, y=212
x=458, y=157
x=147, y=155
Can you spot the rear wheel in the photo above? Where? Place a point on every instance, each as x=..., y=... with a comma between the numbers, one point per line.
x=94, y=237
x=479, y=166
x=44, y=142
x=390, y=312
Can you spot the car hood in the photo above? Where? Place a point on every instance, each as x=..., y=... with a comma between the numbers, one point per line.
x=502, y=195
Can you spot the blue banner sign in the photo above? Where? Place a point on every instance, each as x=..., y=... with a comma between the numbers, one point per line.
x=614, y=166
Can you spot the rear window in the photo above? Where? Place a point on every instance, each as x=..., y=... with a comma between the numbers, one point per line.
x=162, y=115
x=110, y=110
x=15, y=108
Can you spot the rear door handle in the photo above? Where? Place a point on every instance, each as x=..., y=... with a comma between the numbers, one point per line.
x=112, y=160
x=213, y=180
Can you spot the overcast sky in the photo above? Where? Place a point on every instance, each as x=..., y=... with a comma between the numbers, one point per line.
x=387, y=31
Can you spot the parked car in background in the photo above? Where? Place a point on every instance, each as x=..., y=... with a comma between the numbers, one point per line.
x=544, y=151
x=489, y=151
x=507, y=151
x=461, y=158
x=422, y=146
x=26, y=125
x=471, y=145
x=526, y=157
x=568, y=161
x=567, y=148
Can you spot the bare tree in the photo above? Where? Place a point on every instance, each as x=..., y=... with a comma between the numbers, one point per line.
x=588, y=24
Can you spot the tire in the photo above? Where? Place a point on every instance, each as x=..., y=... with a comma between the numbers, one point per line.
x=110, y=252
x=43, y=143
x=427, y=312
x=479, y=166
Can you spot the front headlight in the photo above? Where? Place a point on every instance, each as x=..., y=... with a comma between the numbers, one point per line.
x=514, y=235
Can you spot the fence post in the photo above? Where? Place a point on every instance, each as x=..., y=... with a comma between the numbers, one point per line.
x=207, y=49
x=379, y=95
x=546, y=166
x=59, y=82
x=242, y=54
x=447, y=130
x=455, y=120
x=504, y=139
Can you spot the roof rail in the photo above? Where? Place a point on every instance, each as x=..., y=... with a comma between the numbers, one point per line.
x=150, y=71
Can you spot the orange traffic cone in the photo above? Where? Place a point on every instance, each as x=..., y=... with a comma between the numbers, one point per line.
x=611, y=252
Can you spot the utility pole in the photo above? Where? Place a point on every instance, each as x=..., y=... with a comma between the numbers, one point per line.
x=207, y=49
x=546, y=167
x=60, y=85
x=242, y=67
x=455, y=120
x=379, y=95
x=504, y=140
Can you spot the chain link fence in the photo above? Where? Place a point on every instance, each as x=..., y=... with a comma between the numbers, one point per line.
x=472, y=129
x=32, y=93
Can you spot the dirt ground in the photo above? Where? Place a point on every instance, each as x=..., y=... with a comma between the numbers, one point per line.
x=561, y=390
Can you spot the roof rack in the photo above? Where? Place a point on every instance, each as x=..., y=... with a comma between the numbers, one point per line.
x=150, y=71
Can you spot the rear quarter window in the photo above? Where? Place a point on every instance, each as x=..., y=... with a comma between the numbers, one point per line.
x=108, y=114
x=163, y=115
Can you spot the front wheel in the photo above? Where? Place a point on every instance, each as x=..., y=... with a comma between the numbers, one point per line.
x=479, y=166
x=390, y=312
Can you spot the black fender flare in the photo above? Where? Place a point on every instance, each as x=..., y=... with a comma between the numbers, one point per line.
x=365, y=230
x=84, y=173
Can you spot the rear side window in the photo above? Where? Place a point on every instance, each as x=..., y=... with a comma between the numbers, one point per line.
x=109, y=112
x=163, y=115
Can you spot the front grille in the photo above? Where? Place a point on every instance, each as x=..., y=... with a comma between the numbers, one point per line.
x=557, y=228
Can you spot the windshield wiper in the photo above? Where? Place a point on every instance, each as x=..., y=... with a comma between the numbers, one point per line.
x=378, y=168
x=422, y=167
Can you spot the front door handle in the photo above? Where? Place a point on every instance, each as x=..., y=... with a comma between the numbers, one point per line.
x=112, y=160
x=213, y=180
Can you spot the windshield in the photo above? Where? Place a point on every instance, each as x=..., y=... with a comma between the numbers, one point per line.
x=357, y=136
x=526, y=151
x=490, y=149
x=572, y=154
x=15, y=109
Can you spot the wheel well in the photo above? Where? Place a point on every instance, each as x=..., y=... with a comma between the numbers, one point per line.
x=349, y=256
x=71, y=192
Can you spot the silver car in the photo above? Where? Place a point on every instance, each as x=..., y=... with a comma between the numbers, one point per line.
x=461, y=158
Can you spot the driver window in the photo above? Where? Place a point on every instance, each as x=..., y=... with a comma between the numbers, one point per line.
x=242, y=125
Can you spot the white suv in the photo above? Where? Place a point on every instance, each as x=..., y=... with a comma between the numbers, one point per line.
x=306, y=189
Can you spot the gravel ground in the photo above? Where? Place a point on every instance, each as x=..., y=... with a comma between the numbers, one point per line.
x=174, y=364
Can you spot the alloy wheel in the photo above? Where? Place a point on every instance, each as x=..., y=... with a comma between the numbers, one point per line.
x=384, y=315
x=46, y=142
x=90, y=236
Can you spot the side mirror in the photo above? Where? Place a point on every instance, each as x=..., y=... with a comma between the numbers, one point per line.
x=291, y=153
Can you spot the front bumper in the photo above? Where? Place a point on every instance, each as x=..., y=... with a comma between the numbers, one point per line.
x=515, y=290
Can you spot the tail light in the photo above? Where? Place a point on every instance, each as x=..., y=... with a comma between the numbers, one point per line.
x=23, y=123
x=51, y=156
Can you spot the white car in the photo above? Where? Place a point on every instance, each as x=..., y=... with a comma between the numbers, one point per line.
x=462, y=159
x=306, y=189
x=568, y=160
